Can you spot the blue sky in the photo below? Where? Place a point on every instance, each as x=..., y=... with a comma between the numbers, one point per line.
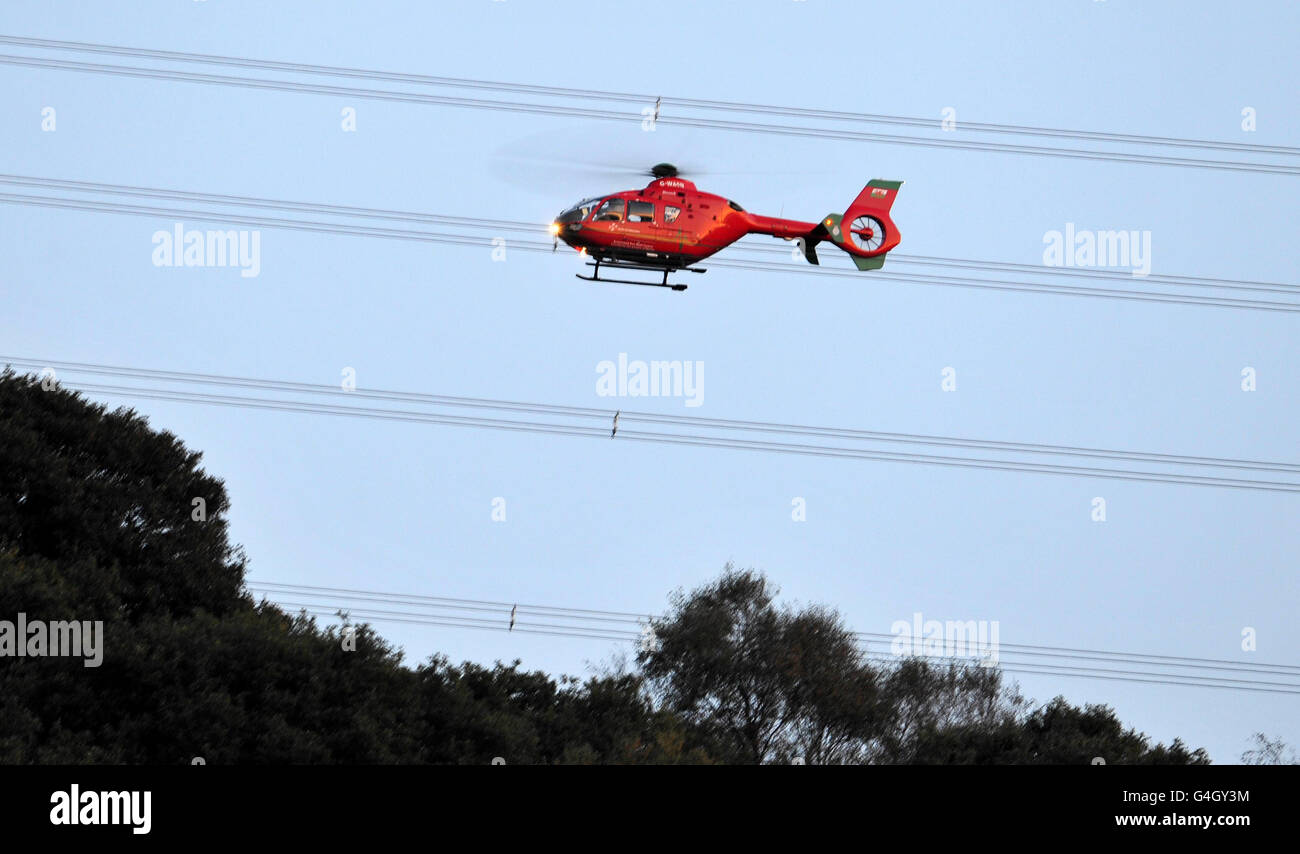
x=1174, y=570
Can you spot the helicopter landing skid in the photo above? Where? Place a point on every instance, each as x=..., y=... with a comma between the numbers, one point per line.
x=676, y=286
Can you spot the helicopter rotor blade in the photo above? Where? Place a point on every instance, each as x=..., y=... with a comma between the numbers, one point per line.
x=542, y=164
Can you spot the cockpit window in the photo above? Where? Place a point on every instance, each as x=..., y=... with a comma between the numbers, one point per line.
x=611, y=211
x=578, y=212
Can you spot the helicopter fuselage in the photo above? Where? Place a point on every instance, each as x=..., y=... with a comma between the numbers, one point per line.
x=668, y=224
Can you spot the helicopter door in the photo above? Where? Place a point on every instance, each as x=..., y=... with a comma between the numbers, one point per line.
x=641, y=215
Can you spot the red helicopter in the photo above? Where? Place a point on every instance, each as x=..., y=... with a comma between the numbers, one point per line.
x=670, y=226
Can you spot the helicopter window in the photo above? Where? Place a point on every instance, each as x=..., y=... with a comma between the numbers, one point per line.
x=671, y=212
x=611, y=211
x=578, y=212
x=641, y=212
x=734, y=206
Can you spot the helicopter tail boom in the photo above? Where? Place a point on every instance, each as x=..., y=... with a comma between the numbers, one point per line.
x=864, y=231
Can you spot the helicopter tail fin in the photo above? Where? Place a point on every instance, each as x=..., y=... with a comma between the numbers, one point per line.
x=864, y=231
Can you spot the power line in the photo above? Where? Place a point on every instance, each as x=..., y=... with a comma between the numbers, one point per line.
x=264, y=222
x=459, y=604
x=272, y=204
x=1024, y=287
x=641, y=620
x=602, y=416
x=637, y=98
x=1030, y=668
x=1023, y=668
x=1042, y=270
x=546, y=247
x=470, y=622
x=454, y=625
x=1042, y=669
x=353, y=211
x=621, y=116
x=516, y=425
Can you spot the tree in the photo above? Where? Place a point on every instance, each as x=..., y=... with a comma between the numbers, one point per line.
x=776, y=684
x=1057, y=733
x=100, y=492
x=770, y=684
x=98, y=522
x=929, y=700
x=1269, y=751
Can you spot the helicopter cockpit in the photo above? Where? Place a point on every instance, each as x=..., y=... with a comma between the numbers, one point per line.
x=578, y=212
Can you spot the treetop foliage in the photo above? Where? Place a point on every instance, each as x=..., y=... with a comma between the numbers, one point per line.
x=98, y=522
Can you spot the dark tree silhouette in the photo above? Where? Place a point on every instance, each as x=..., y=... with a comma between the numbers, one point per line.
x=99, y=521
